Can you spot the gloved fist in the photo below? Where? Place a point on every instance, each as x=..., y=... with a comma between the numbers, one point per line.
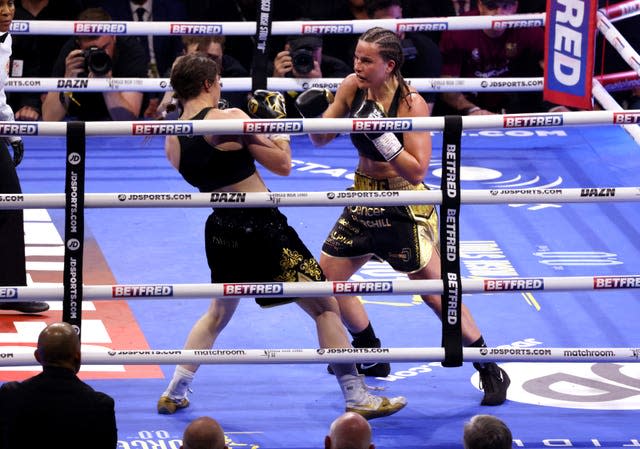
x=387, y=143
x=18, y=151
x=313, y=102
x=267, y=104
x=370, y=109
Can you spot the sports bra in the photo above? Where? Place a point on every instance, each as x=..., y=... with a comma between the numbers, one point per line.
x=365, y=147
x=207, y=167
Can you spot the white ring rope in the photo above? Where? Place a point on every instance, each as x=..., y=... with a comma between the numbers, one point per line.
x=622, y=10
x=328, y=288
x=618, y=42
x=320, y=125
x=24, y=357
x=128, y=28
x=324, y=198
x=243, y=84
x=608, y=102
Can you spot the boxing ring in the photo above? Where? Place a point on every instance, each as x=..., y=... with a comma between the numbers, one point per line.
x=550, y=203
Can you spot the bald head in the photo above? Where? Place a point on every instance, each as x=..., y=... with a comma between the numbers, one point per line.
x=349, y=431
x=486, y=432
x=59, y=345
x=203, y=433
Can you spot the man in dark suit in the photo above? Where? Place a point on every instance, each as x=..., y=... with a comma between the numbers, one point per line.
x=162, y=50
x=55, y=409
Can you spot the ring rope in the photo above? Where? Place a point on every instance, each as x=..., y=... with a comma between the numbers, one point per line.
x=608, y=102
x=617, y=40
x=274, y=83
x=130, y=28
x=24, y=357
x=622, y=10
x=329, y=288
x=323, y=198
x=321, y=125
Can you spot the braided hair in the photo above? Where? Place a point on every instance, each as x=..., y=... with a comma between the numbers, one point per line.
x=390, y=49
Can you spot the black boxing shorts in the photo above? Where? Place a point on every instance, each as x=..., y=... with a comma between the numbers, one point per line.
x=257, y=245
x=404, y=236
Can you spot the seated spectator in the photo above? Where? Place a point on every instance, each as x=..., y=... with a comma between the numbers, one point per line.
x=349, y=431
x=486, y=432
x=33, y=54
x=303, y=57
x=65, y=411
x=213, y=47
x=491, y=53
x=421, y=55
x=125, y=59
x=203, y=433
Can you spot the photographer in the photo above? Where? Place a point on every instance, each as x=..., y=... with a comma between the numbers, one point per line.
x=101, y=56
x=302, y=57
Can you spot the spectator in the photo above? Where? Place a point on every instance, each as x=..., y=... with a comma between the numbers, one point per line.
x=203, y=433
x=303, y=57
x=486, y=432
x=493, y=53
x=12, y=263
x=33, y=55
x=213, y=47
x=65, y=411
x=126, y=59
x=161, y=50
x=349, y=431
x=421, y=55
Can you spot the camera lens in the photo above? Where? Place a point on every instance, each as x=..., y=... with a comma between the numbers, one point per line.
x=96, y=60
x=302, y=60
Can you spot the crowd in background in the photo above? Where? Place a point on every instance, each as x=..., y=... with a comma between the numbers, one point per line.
x=428, y=54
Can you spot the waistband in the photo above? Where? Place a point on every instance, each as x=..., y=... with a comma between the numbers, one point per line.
x=364, y=182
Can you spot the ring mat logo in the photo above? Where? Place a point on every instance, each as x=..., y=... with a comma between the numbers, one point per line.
x=592, y=386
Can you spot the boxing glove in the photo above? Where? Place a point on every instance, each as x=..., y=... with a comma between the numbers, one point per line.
x=267, y=104
x=313, y=102
x=387, y=143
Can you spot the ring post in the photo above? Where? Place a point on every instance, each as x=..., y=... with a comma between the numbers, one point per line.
x=74, y=225
x=450, y=242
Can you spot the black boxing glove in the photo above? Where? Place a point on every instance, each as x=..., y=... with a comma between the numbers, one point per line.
x=18, y=151
x=267, y=104
x=313, y=102
x=387, y=143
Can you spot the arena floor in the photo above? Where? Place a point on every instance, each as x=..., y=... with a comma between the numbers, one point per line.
x=291, y=406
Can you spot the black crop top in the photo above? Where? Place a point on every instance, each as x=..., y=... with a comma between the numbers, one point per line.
x=364, y=146
x=208, y=168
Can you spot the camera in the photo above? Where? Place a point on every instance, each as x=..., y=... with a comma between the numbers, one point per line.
x=409, y=49
x=96, y=60
x=302, y=60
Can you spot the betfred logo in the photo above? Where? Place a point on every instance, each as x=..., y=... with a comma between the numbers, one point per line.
x=515, y=23
x=390, y=125
x=274, y=288
x=621, y=118
x=600, y=282
x=525, y=121
x=18, y=26
x=276, y=126
x=420, y=27
x=6, y=292
x=494, y=285
x=15, y=129
x=363, y=287
x=194, y=28
x=150, y=129
x=319, y=28
x=99, y=28
x=132, y=291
